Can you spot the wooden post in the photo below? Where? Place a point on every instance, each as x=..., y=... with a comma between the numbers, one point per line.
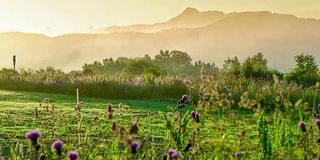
x=77, y=95
x=14, y=66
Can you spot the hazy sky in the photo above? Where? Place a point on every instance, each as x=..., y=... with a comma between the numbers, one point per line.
x=60, y=16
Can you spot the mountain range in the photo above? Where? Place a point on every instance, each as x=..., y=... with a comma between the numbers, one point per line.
x=210, y=36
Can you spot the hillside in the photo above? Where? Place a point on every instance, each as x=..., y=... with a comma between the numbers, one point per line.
x=189, y=18
x=280, y=37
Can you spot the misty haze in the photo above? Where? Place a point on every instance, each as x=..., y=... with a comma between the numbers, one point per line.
x=159, y=80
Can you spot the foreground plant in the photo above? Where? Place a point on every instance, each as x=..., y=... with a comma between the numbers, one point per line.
x=34, y=135
x=57, y=146
x=72, y=155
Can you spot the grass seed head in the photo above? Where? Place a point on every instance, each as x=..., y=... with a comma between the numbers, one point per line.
x=109, y=107
x=134, y=129
x=114, y=126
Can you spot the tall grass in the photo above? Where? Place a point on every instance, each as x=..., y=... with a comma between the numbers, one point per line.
x=111, y=87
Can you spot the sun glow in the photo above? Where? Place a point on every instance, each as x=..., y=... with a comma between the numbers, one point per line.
x=53, y=17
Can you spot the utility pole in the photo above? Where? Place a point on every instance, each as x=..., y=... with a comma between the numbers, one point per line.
x=14, y=66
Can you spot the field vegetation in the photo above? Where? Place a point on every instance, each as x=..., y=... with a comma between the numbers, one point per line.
x=166, y=107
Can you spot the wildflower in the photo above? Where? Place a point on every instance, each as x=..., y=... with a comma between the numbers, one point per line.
x=73, y=155
x=171, y=151
x=165, y=156
x=317, y=122
x=33, y=135
x=193, y=114
x=175, y=155
x=319, y=105
x=134, y=146
x=188, y=146
x=2, y=158
x=302, y=125
x=238, y=154
x=42, y=156
x=183, y=99
x=57, y=145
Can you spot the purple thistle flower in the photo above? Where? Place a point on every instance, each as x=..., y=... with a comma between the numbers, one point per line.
x=42, y=156
x=2, y=158
x=165, y=156
x=317, y=122
x=193, y=114
x=188, y=146
x=302, y=125
x=134, y=146
x=175, y=155
x=33, y=135
x=73, y=155
x=183, y=99
x=238, y=154
x=171, y=151
x=319, y=105
x=57, y=145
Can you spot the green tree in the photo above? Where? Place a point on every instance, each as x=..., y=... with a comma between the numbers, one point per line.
x=306, y=71
x=232, y=66
x=141, y=66
x=208, y=68
x=305, y=63
x=173, y=62
x=255, y=67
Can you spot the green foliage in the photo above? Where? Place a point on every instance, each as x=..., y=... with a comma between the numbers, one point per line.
x=306, y=71
x=141, y=66
x=232, y=66
x=255, y=67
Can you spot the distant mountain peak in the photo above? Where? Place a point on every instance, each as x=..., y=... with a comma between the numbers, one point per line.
x=190, y=10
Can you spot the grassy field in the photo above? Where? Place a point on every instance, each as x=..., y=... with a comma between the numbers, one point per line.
x=18, y=110
x=154, y=125
x=18, y=116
